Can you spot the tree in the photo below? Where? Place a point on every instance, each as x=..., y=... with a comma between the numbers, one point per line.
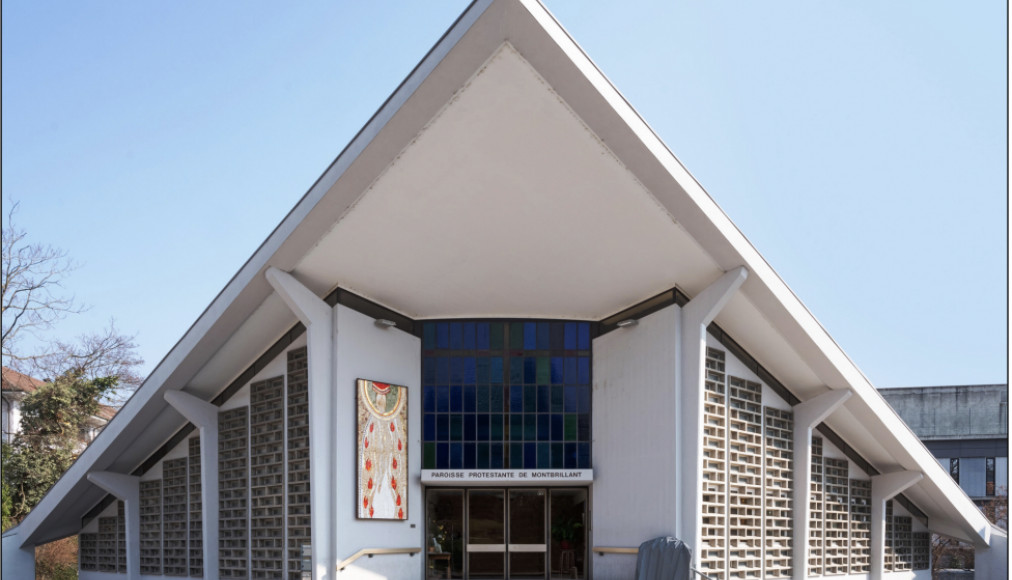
x=34, y=301
x=52, y=422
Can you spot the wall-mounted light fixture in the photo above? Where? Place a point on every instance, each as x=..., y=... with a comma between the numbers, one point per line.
x=384, y=323
x=627, y=322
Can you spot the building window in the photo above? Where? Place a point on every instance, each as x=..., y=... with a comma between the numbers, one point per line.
x=506, y=395
x=989, y=475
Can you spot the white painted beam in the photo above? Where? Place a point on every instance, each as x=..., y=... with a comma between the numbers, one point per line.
x=127, y=488
x=318, y=318
x=883, y=488
x=806, y=416
x=695, y=317
x=204, y=416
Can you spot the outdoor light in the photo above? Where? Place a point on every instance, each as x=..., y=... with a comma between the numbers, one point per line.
x=627, y=322
x=384, y=323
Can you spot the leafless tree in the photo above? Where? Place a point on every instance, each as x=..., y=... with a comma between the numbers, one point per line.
x=35, y=301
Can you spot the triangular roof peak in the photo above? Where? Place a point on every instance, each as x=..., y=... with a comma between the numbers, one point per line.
x=508, y=167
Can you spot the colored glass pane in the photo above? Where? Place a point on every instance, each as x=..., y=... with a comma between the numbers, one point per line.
x=429, y=399
x=456, y=398
x=557, y=429
x=557, y=456
x=495, y=456
x=530, y=456
x=557, y=398
x=530, y=427
x=570, y=336
x=530, y=399
x=457, y=427
x=483, y=456
x=456, y=455
x=516, y=455
x=442, y=427
x=543, y=374
x=543, y=336
x=495, y=370
x=516, y=427
x=482, y=368
x=530, y=370
x=517, y=399
x=429, y=428
x=482, y=395
x=470, y=399
x=544, y=432
x=481, y=336
x=429, y=456
x=469, y=337
x=456, y=336
x=570, y=427
x=544, y=399
x=429, y=343
x=530, y=336
x=583, y=338
x=442, y=335
x=470, y=455
x=482, y=427
x=544, y=456
x=470, y=427
x=495, y=341
x=516, y=336
x=442, y=456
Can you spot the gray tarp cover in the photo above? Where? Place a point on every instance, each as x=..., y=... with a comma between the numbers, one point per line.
x=663, y=559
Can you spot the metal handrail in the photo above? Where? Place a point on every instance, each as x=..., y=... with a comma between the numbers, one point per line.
x=602, y=550
x=375, y=552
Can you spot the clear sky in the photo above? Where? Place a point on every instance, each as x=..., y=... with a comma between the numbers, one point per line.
x=861, y=146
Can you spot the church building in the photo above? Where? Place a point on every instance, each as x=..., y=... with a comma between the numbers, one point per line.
x=505, y=334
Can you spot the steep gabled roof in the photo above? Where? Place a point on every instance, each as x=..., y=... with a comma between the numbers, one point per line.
x=507, y=177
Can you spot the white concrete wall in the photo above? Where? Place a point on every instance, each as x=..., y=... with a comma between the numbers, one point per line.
x=635, y=418
x=993, y=562
x=365, y=351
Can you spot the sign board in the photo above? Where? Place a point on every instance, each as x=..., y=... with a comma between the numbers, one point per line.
x=512, y=477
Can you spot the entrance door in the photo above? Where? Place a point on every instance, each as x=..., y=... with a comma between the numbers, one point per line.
x=516, y=533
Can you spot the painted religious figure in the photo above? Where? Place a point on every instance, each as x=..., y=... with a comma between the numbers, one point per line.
x=382, y=451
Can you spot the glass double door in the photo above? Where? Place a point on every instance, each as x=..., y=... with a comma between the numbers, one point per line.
x=517, y=533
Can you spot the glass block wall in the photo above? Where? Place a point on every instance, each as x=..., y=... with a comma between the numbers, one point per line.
x=506, y=395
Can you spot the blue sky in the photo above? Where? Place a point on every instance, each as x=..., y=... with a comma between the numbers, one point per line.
x=861, y=146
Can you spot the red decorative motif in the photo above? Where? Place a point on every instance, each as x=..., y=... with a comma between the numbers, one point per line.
x=392, y=428
x=395, y=463
x=393, y=482
x=400, y=514
x=368, y=464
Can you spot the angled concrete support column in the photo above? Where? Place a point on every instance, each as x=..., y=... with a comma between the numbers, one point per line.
x=695, y=317
x=318, y=318
x=18, y=561
x=806, y=416
x=126, y=488
x=883, y=488
x=204, y=416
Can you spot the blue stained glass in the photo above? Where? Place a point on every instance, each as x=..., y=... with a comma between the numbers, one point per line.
x=571, y=373
x=516, y=428
x=544, y=433
x=584, y=336
x=470, y=399
x=468, y=374
x=456, y=336
x=443, y=370
x=443, y=399
x=583, y=370
x=544, y=398
x=570, y=461
x=530, y=335
x=495, y=398
x=543, y=336
x=495, y=427
x=482, y=428
x=428, y=336
x=557, y=429
x=530, y=399
x=516, y=371
x=557, y=397
x=516, y=455
x=583, y=428
x=430, y=428
x=470, y=428
x=530, y=427
x=583, y=455
x=456, y=456
x=428, y=371
x=495, y=370
x=481, y=364
x=495, y=456
x=470, y=452
x=572, y=399
x=442, y=427
x=442, y=335
x=483, y=456
x=456, y=399
x=482, y=399
x=530, y=370
x=517, y=399
x=530, y=455
x=456, y=427
x=544, y=456
x=557, y=456
x=557, y=336
x=456, y=370
x=481, y=336
x=468, y=335
x=429, y=398
x=442, y=456
x=584, y=406
x=556, y=370
x=571, y=338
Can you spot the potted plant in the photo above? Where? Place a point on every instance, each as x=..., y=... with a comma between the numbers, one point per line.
x=566, y=530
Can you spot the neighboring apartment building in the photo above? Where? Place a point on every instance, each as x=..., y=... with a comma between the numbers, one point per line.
x=17, y=385
x=965, y=427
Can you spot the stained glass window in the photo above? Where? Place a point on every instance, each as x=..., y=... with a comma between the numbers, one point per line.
x=506, y=395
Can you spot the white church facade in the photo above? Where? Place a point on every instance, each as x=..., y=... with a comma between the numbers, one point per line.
x=505, y=335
